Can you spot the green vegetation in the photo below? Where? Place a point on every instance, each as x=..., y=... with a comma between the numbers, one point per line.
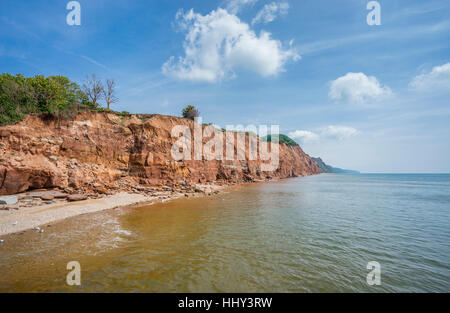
x=55, y=95
x=282, y=138
x=190, y=112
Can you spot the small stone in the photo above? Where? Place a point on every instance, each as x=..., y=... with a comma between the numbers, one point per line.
x=47, y=197
x=37, y=228
x=77, y=198
x=59, y=195
x=102, y=190
x=41, y=231
x=15, y=223
x=1, y=241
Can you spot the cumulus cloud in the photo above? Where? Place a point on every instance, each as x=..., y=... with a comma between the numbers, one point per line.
x=331, y=132
x=338, y=132
x=357, y=88
x=234, y=6
x=304, y=135
x=270, y=12
x=437, y=79
x=218, y=43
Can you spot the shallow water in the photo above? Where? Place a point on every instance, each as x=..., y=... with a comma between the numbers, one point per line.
x=311, y=234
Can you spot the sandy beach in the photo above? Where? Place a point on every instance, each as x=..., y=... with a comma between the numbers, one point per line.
x=25, y=218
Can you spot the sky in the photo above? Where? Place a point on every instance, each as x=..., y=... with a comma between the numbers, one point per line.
x=373, y=98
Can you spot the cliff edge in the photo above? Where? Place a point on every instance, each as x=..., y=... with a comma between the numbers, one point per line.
x=105, y=152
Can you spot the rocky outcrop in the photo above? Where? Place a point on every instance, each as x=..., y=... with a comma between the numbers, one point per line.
x=103, y=152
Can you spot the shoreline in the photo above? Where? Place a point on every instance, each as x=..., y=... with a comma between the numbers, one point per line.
x=33, y=217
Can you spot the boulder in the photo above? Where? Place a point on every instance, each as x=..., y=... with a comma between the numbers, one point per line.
x=9, y=200
x=73, y=198
x=47, y=196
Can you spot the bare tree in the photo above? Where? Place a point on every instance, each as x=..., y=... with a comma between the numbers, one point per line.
x=93, y=88
x=110, y=93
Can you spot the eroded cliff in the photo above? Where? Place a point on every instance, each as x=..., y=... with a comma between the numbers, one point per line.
x=104, y=152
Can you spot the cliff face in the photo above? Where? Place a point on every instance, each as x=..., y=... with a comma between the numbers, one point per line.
x=323, y=167
x=104, y=151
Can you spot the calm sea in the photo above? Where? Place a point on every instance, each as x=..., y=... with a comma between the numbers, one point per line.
x=311, y=234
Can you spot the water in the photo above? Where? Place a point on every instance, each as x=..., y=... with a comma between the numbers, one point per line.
x=311, y=234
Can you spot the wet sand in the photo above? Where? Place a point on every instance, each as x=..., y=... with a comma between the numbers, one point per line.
x=25, y=218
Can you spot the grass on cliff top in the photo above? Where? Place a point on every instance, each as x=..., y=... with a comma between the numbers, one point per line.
x=282, y=138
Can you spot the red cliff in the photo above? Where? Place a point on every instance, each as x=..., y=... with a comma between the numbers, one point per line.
x=105, y=151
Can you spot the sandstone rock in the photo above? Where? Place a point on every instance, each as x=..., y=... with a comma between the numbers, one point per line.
x=77, y=198
x=59, y=195
x=47, y=196
x=9, y=200
x=102, y=190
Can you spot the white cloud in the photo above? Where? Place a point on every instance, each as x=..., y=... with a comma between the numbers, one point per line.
x=270, y=12
x=218, y=43
x=338, y=132
x=438, y=78
x=357, y=88
x=234, y=6
x=304, y=135
x=330, y=132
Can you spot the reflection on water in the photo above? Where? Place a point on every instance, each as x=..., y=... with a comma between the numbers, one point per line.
x=300, y=235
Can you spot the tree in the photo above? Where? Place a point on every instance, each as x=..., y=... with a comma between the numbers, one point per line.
x=190, y=112
x=55, y=95
x=93, y=89
x=109, y=93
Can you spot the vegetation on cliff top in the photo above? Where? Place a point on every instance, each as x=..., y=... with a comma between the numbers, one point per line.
x=55, y=95
x=282, y=138
x=190, y=112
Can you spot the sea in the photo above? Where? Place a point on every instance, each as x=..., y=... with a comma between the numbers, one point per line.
x=326, y=233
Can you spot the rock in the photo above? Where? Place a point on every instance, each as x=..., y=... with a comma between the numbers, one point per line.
x=102, y=190
x=25, y=198
x=15, y=223
x=2, y=202
x=59, y=195
x=77, y=198
x=9, y=200
x=47, y=197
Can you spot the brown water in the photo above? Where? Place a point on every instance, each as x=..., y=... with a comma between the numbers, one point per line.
x=299, y=235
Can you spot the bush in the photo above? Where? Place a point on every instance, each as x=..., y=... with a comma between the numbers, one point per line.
x=282, y=138
x=55, y=95
x=190, y=112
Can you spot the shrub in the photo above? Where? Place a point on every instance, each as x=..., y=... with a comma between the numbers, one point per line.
x=282, y=138
x=190, y=112
x=55, y=95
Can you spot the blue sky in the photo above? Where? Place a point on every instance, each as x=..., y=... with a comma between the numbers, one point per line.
x=372, y=98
